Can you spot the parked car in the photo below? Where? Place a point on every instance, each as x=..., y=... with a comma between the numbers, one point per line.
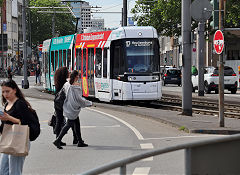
x=211, y=79
x=172, y=76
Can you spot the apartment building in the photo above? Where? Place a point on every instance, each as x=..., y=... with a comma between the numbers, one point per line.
x=82, y=10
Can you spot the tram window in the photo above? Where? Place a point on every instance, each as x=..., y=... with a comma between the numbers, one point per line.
x=84, y=63
x=60, y=58
x=68, y=58
x=90, y=61
x=64, y=57
x=46, y=62
x=105, y=63
x=118, y=64
x=73, y=61
x=98, y=63
x=56, y=60
x=78, y=58
x=52, y=60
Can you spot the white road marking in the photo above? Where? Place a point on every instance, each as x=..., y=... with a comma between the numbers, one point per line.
x=147, y=159
x=136, y=132
x=141, y=171
x=146, y=146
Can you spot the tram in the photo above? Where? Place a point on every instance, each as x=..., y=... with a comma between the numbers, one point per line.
x=121, y=64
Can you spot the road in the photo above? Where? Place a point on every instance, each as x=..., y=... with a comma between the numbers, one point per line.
x=111, y=135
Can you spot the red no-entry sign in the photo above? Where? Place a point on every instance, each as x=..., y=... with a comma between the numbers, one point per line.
x=218, y=41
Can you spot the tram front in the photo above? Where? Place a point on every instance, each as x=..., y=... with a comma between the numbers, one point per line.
x=135, y=69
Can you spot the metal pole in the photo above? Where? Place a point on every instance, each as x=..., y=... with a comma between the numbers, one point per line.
x=221, y=74
x=53, y=25
x=2, y=60
x=201, y=29
x=186, y=71
x=124, y=12
x=25, y=82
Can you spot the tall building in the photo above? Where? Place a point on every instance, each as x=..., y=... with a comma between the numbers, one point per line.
x=82, y=10
x=12, y=28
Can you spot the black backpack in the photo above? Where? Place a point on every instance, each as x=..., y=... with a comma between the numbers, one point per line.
x=59, y=100
x=34, y=126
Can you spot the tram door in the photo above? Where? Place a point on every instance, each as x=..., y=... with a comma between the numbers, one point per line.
x=90, y=72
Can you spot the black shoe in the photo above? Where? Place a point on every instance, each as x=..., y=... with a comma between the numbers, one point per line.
x=75, y=141
x=82, y=144
x=63, y=144
x=57, y=144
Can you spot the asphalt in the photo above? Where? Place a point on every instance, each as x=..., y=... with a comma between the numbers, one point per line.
x=197, y=123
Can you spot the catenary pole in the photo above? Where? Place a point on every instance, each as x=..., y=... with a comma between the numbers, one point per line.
x=124, y=12
x=221, y=74
x=201, y=30
x=186, y=71
x=25, y=82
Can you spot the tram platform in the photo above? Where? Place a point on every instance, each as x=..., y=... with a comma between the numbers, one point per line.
x=197, y=123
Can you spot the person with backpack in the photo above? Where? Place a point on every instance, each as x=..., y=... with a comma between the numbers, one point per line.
x=17, y=110
x=71, y=108
x=60, y=78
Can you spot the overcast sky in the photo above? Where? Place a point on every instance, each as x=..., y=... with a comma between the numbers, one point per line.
x=110, y=19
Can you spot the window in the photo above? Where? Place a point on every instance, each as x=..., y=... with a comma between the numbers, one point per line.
x=52, y=60
x=56, y=60
x=105, y=63
x=90, y=62
x=84, y=63
x=60, y=58
x=98, y=63
x=78, y=59
x=68, y=58
x=64, y=57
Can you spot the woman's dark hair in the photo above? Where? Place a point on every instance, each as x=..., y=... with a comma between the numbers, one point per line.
x=73, y=75
x=12, y=84
x=60, y=78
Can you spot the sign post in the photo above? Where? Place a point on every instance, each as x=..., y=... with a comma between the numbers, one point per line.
x=218, y=42
x=201, y=11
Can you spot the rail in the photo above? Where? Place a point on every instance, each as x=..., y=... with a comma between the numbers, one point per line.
x=217, y=156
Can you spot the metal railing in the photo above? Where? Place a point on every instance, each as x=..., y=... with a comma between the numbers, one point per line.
x=217, y=156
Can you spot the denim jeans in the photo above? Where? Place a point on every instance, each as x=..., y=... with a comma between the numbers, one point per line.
x=11, y=165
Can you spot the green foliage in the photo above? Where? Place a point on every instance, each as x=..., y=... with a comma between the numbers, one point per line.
x=41, y=23
x=232, y=14
x=165, y=15
x=1, y=2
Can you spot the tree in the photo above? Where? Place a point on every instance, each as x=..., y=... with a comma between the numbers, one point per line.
x=232, y=14
x=165, y=15
x=41, y=23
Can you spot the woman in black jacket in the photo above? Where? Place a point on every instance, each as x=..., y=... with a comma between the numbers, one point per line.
x=60, y=78
x=16, y=110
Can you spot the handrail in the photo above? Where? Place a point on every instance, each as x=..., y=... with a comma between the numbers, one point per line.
x=123, y=162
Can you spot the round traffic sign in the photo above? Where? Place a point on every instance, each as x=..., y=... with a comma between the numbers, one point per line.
x=218, y=41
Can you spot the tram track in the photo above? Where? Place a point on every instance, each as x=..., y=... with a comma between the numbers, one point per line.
x=201, y=107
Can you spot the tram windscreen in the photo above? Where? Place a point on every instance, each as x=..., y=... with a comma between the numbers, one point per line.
x=142, y=55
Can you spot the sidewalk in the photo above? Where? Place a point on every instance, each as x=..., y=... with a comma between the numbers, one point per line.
x=197, y=123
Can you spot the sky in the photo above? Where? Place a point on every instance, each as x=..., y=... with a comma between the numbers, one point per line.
x=110, y=19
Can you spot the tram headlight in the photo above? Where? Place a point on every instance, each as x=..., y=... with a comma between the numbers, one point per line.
x=130, y=78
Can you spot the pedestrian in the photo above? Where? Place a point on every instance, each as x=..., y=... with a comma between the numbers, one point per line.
x=194, y=70
x=38, y=74
x=9, y=72
x=71, y=109
x=60, y=78
x=16, y=111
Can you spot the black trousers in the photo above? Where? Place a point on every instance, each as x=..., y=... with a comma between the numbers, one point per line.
x=75, y=124
x=60, y=122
